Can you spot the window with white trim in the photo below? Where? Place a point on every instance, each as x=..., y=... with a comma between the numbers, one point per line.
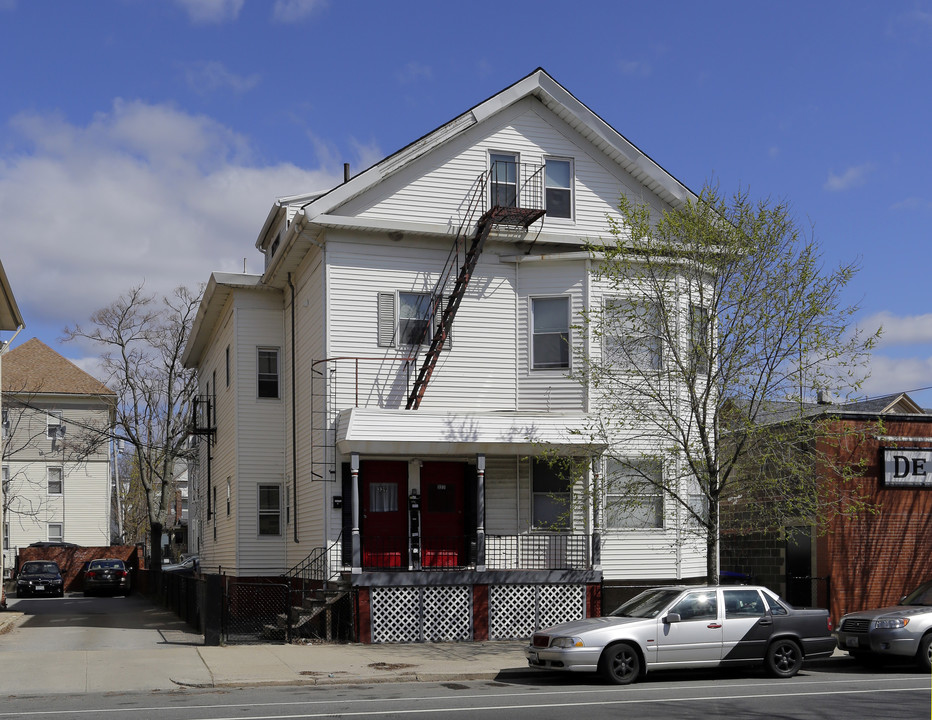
x=700, y=339
x=405, y=327
x=56, y=532
x=552, y=495
x=631, y=337
x=55, y=483
x=633, y=495
x=558, y=183
x=270, y=510
x=413, y=318
x=268, y=372
x=503, y=179
x=550, y=333
x=5, y=426
x=53, y=425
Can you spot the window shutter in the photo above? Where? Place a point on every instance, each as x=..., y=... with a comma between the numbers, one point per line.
x=386, y=319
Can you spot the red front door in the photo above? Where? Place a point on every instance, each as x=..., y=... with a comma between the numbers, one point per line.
x=442, y=526
x=384, y=490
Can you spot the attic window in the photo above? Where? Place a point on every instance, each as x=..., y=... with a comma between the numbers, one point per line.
x=503, y=183
x=273, y=248
x=559, y=184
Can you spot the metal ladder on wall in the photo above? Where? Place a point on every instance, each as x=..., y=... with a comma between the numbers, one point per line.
x=446, y=309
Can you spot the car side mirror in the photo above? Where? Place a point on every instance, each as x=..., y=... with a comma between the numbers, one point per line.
x=902, y=601
x=672, y=618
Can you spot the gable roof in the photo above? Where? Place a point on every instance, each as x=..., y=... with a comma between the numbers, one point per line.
x=34, y=367
x=10, y=318
x=538, y=84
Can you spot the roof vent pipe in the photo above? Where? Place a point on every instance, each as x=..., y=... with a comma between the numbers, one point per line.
x=346, y=172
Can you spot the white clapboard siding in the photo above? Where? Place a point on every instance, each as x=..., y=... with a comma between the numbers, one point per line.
x=436, y=188
x=475, y=372
x=548, y=389
x=261, y=430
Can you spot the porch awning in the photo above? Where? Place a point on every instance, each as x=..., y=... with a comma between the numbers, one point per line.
x=416, y=432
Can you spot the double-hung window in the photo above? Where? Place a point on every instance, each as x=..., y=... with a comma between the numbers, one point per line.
x=270, y=510
x=503, y=183
x=56, y=532
x=53, y=425
x=631, y=338
x=633, y=495
x=268, y=372
x=55, y=483
x=550, y=333
x=700, y=339
x=552, y=495
x=413, y=317
x=558, y=180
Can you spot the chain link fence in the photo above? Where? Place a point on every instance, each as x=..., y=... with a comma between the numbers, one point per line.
x=256, y=613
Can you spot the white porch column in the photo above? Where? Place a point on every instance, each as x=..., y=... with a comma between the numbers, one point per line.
x=597, y=496
x=357, y=549
x=480, y=512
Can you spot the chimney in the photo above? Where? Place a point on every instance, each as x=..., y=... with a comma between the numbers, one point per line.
x=346, y=172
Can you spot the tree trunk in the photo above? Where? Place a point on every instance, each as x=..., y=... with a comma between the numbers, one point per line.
x=155, y=535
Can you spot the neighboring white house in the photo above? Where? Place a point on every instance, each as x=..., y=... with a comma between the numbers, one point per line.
x=10, y=320
x=381, y=397
x=56, y=470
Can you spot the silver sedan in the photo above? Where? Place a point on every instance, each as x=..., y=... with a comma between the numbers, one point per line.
x=687, y=627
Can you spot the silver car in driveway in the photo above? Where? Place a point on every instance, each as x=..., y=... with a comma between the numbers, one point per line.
x=899, y=631
x=687, y=627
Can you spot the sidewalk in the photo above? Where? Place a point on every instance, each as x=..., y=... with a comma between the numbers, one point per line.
x=173, y=667
x=169, y=667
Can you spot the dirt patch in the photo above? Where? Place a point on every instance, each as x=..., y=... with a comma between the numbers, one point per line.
x=390, y=666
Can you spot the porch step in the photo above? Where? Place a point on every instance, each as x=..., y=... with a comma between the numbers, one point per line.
x=306, y=620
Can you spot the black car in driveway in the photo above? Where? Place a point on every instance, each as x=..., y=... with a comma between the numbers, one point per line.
x=106, y=575
x=39, y=577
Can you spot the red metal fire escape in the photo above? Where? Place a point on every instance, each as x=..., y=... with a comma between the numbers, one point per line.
x=518, y=207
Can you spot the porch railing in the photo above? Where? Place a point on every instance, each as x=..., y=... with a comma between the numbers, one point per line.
x=538, y=551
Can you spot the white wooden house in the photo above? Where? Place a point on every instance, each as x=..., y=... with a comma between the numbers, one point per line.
x=56, y=462
x=378, y=401
x=10, y=320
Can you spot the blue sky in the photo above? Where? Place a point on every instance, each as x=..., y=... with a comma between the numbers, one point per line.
x=145, y=140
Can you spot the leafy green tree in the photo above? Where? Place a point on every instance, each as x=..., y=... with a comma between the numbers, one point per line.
x=718, y=326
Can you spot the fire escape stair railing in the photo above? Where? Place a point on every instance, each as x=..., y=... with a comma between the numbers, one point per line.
x=498, y=215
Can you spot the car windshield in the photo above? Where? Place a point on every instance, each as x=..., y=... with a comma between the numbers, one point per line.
x=922, y=595
x=40, y=567
x=648, y=604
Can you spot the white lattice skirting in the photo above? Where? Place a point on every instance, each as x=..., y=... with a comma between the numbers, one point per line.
x=516, y=611
x=421, y=614
x=445, y=613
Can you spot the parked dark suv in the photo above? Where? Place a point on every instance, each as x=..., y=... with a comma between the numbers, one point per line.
x=39, y=577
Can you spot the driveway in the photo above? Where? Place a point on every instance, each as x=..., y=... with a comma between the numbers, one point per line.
x=75, y=622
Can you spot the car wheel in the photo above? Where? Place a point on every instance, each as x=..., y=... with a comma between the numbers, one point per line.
x=620, y=664
x=924, y=656
x=784, y=658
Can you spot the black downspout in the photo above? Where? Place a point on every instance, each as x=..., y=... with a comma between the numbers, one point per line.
x=294, y=421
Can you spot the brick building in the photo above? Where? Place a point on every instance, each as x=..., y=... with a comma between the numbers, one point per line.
x=870, y=559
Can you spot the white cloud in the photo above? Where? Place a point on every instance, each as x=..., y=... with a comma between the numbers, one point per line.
x=142, y=193
x=890, y=375
x=211, y=11
x=852, y=177
x=288, y=11
x=634, y=68
x=413, y=72
x=208, y=77
x=913, y=203
x=900, y=330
